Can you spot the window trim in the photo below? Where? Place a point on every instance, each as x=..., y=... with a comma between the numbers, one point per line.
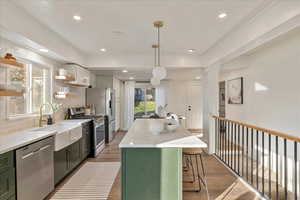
x=145, y=88
x=28, y=95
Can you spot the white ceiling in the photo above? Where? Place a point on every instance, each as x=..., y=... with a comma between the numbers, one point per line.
x=125, y=26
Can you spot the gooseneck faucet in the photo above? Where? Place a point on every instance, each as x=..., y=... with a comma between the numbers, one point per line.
x=41, y=112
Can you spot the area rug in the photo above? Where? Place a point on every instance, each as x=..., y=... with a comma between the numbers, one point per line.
x=93, y=181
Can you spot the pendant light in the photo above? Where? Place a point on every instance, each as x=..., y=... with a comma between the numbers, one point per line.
x=155, y=81
x=158, y=71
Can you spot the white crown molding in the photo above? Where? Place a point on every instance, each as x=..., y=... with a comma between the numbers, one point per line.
x=269, y=25
x=247, y=19
x=265, y=38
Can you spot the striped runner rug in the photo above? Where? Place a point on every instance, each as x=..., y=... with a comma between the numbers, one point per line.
x=91, y=182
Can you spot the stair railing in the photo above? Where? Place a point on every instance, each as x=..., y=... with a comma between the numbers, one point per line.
x=266, y=159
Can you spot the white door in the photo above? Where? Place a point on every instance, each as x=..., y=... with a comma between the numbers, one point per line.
x=194, y=108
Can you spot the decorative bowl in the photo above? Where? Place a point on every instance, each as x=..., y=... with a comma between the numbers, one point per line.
x=156, y=127
x=171, y=127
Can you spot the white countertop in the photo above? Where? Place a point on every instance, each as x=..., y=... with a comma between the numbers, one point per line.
x=140, y=136
x=12, y=141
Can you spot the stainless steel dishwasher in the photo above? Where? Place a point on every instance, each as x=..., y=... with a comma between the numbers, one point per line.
x=35, y=170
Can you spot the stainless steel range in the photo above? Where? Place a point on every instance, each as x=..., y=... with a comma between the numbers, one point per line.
x=99, y=130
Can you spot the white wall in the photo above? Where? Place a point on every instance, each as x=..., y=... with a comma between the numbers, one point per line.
x=104, y=81
x=275, y=67
x=271, y=94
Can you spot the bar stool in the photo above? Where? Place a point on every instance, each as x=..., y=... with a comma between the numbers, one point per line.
x=192, y=156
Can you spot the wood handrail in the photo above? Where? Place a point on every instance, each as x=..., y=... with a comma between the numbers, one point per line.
x=271, y=132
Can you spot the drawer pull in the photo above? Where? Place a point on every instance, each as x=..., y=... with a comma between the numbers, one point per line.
x=28, y=155
x=45, y=147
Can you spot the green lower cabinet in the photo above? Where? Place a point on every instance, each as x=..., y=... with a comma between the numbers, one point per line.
x=66, y=160
x=74, y=154
x=151, y=174
x=60, y=165
x=7, y=176
x=12, y=198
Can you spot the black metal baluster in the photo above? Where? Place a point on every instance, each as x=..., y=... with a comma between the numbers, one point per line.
x=257, y=143
x=231, y=147
x=239, y=146
x=270, y=183
x=285, y=169
x=219, y=138
x=235, y=147
x=228, y=124
x=247, y=156
x=225, y=143
x=277, y=156
x=263, y=163
x=243, y=150
x=252, y=146
x=223, y=135
x=216, y=135
x=295, y=166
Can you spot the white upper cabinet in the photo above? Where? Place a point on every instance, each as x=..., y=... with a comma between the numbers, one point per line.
x=81, y=75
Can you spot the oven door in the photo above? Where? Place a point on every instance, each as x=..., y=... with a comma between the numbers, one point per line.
x=99, y=138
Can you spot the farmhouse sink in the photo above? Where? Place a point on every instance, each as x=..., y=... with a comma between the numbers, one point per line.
x=66, y=133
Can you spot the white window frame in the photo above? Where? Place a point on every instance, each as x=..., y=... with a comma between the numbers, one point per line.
x=144, y=87
x=28, y=95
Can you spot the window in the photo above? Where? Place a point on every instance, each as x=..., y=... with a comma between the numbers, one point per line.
x=144, y=102
x=35, y=81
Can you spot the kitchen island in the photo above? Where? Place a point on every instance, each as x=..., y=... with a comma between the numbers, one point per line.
x=152, y=163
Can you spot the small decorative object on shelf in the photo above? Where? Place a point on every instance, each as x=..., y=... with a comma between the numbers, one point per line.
x=9, y=56
x=65, y=78
x=11, y=61
x=59, y=95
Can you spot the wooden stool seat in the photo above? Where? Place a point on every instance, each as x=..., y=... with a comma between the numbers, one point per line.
x=192, y=151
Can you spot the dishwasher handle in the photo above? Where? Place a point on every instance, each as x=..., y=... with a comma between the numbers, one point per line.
x=35, y=152
x=28, y=155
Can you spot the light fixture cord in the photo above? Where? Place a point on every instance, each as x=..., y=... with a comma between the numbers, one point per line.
x=155, y=57
x=158, y=46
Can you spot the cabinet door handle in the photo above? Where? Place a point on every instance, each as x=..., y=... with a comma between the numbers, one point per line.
x=28, y=155
x=45, y=147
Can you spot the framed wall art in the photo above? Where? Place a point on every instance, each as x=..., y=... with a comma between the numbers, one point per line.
x=235, y=91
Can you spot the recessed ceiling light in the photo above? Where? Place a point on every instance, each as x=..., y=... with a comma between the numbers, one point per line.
x=191, y=50
x=197, y=77
x=124, y=71
x=77, y=17
x=103, y=50
x=222, y=15
x=44, y=50
x=131, y=78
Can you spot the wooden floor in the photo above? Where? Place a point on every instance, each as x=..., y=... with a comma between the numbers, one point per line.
x=222, y=184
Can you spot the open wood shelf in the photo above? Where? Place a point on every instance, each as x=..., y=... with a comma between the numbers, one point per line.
x=65, y=78
x=10, y=93
x=11, y=63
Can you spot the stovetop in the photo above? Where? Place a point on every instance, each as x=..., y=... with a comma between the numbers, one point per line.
x=97, y=119
x=86, y=116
